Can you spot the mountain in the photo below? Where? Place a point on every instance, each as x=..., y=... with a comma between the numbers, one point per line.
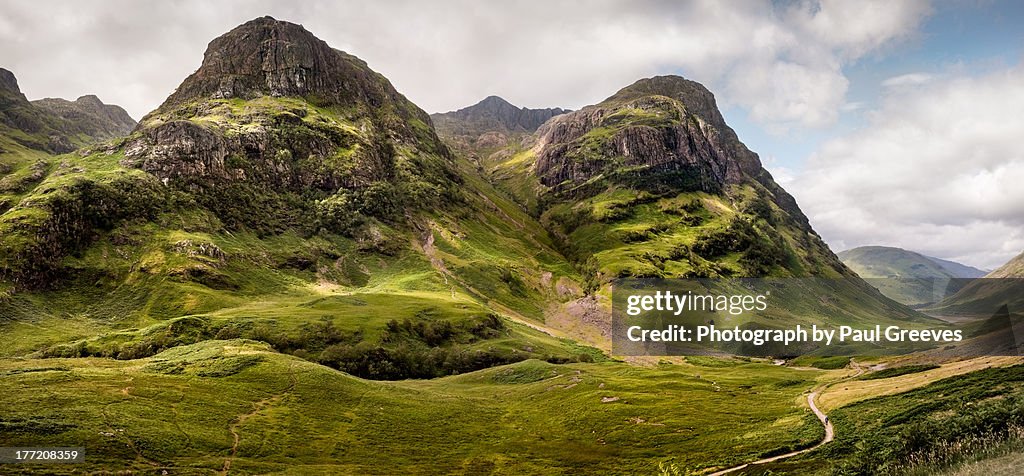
x=490, y=124
x=287, y=251
x=996, y=298
x=32, y=131
x=89, y=116
x=1012, y=269
x=493, y=114
x=284, y=192
x=652, y=183
x=908, y=277
x=654, y=163
x=57, y=125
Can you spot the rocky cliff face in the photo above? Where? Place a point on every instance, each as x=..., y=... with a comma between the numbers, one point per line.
x=8, y=83
x=274, y=110
x=267, y=57
x=661, y=133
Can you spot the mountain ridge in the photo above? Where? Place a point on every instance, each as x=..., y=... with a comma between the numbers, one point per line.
x=1011, y=269
x=286, y=171
x=56, y=125
x=907, y=276
x=490, y=125
x=503, y=114
x=945, y=268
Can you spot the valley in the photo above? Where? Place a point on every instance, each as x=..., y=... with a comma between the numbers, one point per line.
x=288, y=267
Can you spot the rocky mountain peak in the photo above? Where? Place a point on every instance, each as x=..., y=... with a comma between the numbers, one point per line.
x=269, y=57
x=660, y=134
x=493, y=101
x=490, y=123
x=8, y=82
x=90, y=100
x=695, y=97
x=648, y=124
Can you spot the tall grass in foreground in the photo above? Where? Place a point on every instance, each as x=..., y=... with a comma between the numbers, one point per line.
x=941, y=440
x=951, y=456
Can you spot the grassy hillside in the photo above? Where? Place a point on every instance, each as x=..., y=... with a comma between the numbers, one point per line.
x=908, y=277
x=284, y=269
x=238, y=404
x=1012, y=269
x=921, y=431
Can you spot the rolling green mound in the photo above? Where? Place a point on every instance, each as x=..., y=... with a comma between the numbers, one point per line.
x=238, y=404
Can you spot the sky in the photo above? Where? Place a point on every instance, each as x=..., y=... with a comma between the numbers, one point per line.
x=893, y=123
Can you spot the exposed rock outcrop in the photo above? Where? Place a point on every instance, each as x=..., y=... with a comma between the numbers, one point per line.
x=267, y=57
x=659, y=133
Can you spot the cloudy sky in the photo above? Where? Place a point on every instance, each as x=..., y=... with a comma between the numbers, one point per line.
x=893, y=123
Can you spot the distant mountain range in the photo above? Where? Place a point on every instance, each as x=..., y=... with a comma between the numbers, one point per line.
x=57, y=125
x=490, y=124
x=906, y=276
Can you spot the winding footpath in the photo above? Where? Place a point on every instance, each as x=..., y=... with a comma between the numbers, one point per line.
x=829, y=436
x=822, y=417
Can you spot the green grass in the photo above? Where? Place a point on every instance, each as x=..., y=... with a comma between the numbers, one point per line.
x=825, y=363
x=926, y=429
x=177, y=410
x=897, y=371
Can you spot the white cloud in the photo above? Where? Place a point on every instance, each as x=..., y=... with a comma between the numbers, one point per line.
x=938, y=170
x=911, y=79
x=780, y=61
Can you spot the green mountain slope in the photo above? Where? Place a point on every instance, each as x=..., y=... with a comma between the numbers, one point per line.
x=908, y=277
x=651, y=183
x=284, y=192
x=998, y=298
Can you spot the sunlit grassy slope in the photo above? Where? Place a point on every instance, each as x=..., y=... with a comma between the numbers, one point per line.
x=201, y=407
